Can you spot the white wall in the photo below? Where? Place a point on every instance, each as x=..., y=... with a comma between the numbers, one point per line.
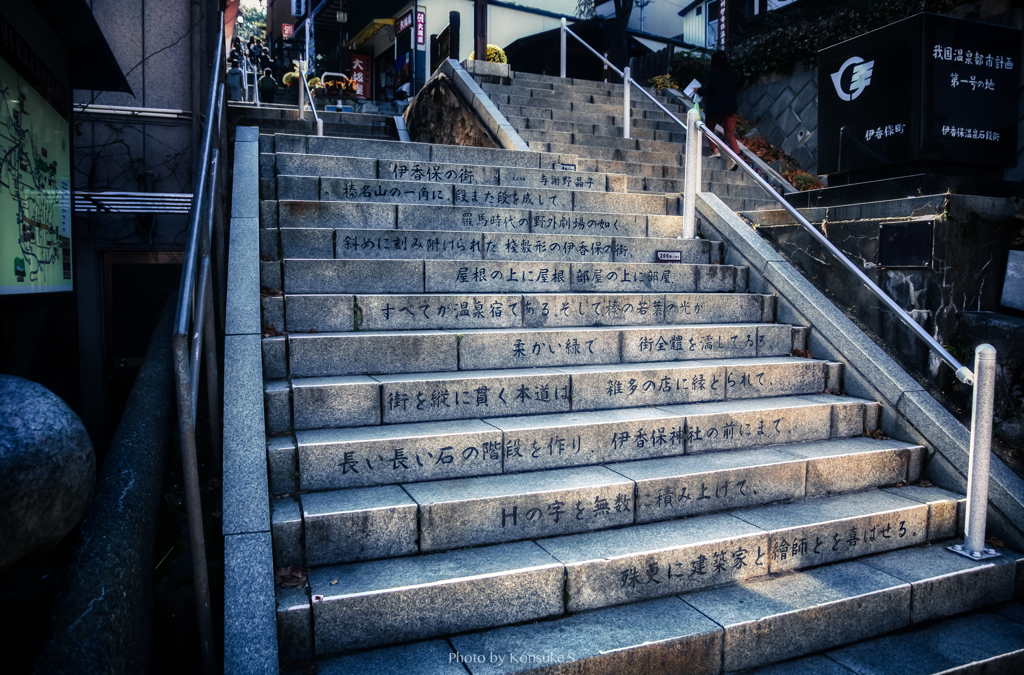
x=504, y=25
x=661, y=17
x=694, y=27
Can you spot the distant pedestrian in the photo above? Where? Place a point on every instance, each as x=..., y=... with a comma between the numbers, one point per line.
x=267, y=86
x=233, y=81
x=720, y=102
x=236, y=50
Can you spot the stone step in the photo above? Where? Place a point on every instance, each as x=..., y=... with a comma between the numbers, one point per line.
x=413, y=152
x=734, y=189
x=324, y=214
x=722, y=548
x=896, y=208
x=987, y=642
x=329, y=459
x=348, y=401
x=354, y=606
x=334, y=313
x=768, y=621
x=335, y=166
x=366, y=131
x=672, y=135
x=746, y=204
x=798, y=613
x=641, y=108
x=519, y=112
x=453, y=513
x=519, y=77
x=367, y=604
x=615, y=154
x=326, y=313
x=373, y=352
x=585, y=113
x=314, y=188
x=353, y=244
x=658, y=185
x=501, y=93
x=351, y=276
x=522, y=124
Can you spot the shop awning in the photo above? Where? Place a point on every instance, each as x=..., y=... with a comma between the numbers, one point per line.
x=372, y=28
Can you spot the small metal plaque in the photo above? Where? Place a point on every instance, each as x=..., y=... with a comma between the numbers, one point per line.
x=906, y=244
x=668, y=256
x=566, y=167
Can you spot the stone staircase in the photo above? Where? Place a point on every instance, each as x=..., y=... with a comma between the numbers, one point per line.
x=500, y=438
x=282, y=116
x=586, y=118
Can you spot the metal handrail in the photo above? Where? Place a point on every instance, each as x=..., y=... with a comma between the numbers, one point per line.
x=786, y=187
x=963, y=373
x=255, y=84
x=983, y=376
x=245, y=76
x=194, y=340
x=312, y=106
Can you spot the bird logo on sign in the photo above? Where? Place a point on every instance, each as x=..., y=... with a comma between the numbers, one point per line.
x=860, y=78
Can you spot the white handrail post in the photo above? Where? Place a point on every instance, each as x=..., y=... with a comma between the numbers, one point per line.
x=981, y=442
x=691, y=175
x=562, y=63
x=319, y=127
x=256, y=86
x=625, y=102
x=302, y=90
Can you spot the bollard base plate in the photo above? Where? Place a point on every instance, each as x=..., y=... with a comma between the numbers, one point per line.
x=984, y=554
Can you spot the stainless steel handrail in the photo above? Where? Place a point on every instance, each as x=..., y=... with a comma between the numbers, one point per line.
x=963, y=373
x=983, y=377
x=255, y=81
x=312, y=106
x=786, y=187
x=194, y=340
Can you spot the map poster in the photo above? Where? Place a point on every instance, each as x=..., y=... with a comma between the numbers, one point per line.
x=35, y=190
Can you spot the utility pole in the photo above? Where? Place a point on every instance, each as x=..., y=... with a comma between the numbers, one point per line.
x=480, y=29
x=642, y=4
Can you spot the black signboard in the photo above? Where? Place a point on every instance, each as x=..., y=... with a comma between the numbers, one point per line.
x=905, y=244
x=926, y=89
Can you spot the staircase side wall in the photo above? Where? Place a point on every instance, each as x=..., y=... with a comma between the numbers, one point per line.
x=479, y=124
x=250, y=623
x=785, y=111
x=908, y=411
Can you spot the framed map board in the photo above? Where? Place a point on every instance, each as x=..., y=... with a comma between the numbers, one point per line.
x=35, y=175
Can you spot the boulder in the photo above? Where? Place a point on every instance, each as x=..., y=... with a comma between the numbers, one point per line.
x=47, y=469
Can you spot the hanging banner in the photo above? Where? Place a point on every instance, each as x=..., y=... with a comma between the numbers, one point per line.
x=404, y=24
x=361, y=74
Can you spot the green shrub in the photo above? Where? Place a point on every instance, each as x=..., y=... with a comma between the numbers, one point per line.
x=686, y=67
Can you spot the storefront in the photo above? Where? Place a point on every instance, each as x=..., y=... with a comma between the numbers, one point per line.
x=389, y=54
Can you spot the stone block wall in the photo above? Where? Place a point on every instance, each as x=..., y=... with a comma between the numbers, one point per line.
x=784, y=108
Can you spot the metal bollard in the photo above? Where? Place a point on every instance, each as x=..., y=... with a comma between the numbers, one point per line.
x=562, y=65
x=691, y=175
x=625, y=102
x=981, y=442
